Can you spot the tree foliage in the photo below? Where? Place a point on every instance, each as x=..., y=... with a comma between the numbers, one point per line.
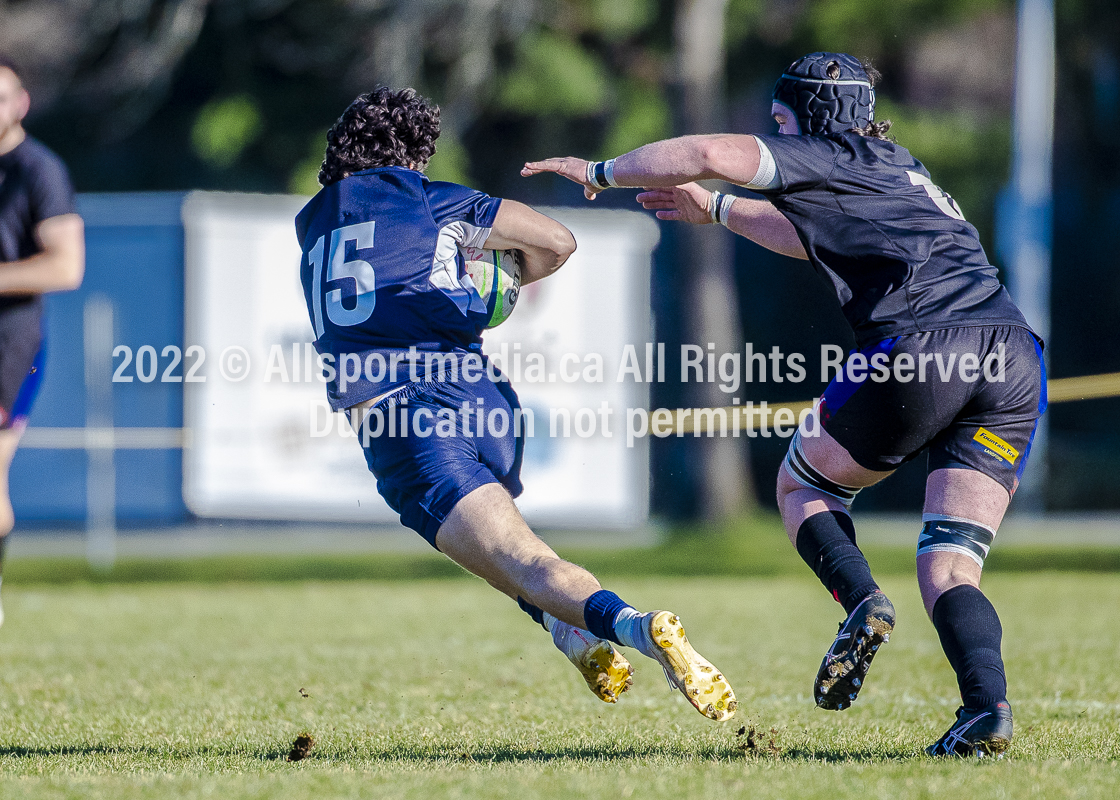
x=153, y=94
x=238, y=94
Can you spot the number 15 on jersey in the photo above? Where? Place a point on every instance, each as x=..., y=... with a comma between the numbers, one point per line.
x=338, y=268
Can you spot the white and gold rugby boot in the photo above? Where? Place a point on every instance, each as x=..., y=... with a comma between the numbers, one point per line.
x=606, y=670
x=687, y=671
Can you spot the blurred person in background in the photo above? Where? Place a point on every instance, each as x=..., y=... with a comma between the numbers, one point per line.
x=385, y=281
x=916, y=286
x=42, y=249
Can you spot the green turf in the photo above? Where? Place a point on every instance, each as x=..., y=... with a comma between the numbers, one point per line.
x=443, y=688
x=755, y=546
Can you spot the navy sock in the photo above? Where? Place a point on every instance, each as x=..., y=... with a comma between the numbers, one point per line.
x=530, y=609
x=600, y=611
x=970, y=634
x=827, y=543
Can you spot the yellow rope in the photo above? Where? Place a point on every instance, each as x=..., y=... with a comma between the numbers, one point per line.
x=749, y=417
x=754, y=416
x=1087, y=387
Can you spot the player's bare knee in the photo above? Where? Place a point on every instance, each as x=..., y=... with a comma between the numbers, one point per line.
x=7, y=517
x=800, y=471
x=803, y=490
x=951, y=552
x=785, y=485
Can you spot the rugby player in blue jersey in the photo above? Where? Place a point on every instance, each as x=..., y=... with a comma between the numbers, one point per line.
x=42, y=249
x=920, y=295
x=388, y=296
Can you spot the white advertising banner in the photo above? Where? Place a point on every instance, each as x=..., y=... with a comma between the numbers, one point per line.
x=264, y=444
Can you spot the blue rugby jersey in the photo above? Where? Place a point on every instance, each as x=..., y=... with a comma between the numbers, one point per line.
x=895, y=247
x=382, y=273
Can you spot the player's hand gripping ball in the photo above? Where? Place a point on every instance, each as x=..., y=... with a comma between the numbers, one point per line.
x=496, y=274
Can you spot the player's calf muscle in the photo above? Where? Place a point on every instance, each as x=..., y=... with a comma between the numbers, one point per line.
x=486, y=535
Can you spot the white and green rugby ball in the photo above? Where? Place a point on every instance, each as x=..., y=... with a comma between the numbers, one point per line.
x=496, y=274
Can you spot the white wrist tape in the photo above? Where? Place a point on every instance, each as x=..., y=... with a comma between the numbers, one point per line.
x=713, y=206
x=719, y=206
x=608, y=169
x=591, y=168
x=723, y=209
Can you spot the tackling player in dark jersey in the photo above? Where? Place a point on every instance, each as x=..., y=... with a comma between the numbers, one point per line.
x=398, y=321
x=946, y=363
x=42, y=249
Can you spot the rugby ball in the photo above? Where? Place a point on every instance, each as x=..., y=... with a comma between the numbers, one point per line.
x=496, y=275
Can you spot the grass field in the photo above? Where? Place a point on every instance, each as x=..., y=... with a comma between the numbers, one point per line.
x=443, y=688
x=751, y=545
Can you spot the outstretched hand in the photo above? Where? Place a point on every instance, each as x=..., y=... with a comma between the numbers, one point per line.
x=574, y=169
x=685, y=203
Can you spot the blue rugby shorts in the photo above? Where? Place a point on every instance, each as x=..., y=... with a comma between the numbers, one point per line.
x=428, y=451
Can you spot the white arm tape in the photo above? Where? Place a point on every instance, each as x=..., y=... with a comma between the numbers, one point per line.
x=767, y=175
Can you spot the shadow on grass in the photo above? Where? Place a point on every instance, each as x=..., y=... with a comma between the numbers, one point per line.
x=420, y=755
x=146, y=751
x=509, y=754
x=847, y=756
x=450, y=754
x=167, y=752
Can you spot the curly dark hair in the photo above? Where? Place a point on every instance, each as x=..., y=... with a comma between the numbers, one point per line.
x=382, y=128
x=873, y=130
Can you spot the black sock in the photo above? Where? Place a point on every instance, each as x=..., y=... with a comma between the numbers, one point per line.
x=827, y=542
x=530, y=609
x=970, y=634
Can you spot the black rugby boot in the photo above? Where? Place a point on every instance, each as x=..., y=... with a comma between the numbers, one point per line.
x=986, y=732
x=846, y=663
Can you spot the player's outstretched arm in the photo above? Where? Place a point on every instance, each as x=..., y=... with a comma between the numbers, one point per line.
x=545, y=244
x=727, y=157
x=60, y=265
x=763, y=224
x=757, y=220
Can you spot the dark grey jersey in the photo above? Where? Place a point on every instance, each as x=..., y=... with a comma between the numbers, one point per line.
x=895, y=247
x=34, y=186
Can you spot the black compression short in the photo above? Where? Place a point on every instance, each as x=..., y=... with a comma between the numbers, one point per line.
x=21, y=367
x=986, y=424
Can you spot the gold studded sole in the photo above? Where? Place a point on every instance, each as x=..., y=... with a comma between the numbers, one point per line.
x=607, y=672
x=693, y=675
